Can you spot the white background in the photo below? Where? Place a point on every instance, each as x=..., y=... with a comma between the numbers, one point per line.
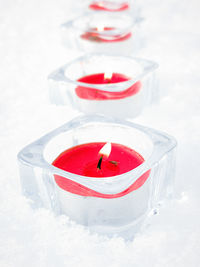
x=30, y=48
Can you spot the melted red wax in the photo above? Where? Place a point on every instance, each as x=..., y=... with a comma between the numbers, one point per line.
x=95, y=94
x=102, y=5
x=83, y=160
x=94, y=36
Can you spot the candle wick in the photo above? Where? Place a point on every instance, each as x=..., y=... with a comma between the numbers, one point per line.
x=114, y=162
x=99, y=163
x=109, y=80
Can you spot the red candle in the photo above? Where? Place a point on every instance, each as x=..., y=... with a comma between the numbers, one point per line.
x=109, y=6
x=100, y=78
x=96, y=35
x=87, y=160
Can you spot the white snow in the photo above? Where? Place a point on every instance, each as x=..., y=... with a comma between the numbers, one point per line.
x=30, y=49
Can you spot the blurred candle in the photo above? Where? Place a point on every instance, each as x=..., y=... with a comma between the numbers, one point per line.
x=109, y=6
x=85, y=92
x=97, y=35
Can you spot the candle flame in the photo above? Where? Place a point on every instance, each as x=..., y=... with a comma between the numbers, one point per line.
x=100, y=4
x=108, y=75
x=105, y=150
x=100, y=28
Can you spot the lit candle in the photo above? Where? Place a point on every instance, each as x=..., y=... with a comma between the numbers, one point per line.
x=97, y=35
x=98, y=160
x=108, y=6
x=106, y=78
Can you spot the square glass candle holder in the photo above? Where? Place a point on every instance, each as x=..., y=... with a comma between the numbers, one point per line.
x=122, y=99
x=117, y=6
x=103, y=32
x=113, y=214
x=109, y=5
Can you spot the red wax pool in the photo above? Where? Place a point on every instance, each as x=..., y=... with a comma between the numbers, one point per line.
x=83, y=160
x=109, y=6
x=98, y=78
x=95, y=36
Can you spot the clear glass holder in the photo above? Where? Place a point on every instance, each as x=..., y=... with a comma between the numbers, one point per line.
x=112, y=99
x=109, y=5
x=122, y=216
x=103, y=32
x=114, y=6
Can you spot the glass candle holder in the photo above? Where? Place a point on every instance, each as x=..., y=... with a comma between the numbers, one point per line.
x=114, y=6
x=110, y=6
x=111, y=208
x=127, y=85
x=101, y=32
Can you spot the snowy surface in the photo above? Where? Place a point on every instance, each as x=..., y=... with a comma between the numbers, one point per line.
x=30, y=48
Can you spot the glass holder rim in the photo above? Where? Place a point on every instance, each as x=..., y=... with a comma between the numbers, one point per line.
x=160, y=149
x=59, y=74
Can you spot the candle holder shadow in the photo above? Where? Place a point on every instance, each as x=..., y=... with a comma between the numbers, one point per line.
x=80, y=84
x=111, y=213
x=101, y=32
